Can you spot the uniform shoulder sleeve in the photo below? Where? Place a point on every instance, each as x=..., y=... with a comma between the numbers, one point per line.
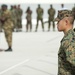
x=70, y=50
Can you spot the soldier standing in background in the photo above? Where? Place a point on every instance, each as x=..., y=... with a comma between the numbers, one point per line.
x=51, y=13
x=0, y=22
x=19, y=18
x=14, y=17
x=11, y=7
x=62, y=6
x=12, y=14
x=7, y=24
x=39, y=12
x=73, y=11
x=29, y=19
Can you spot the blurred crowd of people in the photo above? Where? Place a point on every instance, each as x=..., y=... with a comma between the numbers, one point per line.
x=17, y=14
x=11, y=20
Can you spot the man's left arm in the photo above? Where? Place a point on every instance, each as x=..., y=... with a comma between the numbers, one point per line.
x=70, y=55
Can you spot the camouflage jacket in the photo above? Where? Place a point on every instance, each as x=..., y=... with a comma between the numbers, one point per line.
x=51, y=13
x=6, y=19
x=39, y=13
x=19, y=13
x=66, y=54
x=28, y=16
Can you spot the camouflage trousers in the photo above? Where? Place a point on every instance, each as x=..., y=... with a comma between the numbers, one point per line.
x=19, y=23
x=8, y=36
x=38, y=19
x=51, y=20
x=0, y=27
x=61, y=71
x=29, y=25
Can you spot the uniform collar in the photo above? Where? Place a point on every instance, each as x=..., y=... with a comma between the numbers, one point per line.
x=67, y=33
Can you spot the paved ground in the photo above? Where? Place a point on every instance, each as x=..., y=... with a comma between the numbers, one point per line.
x=34, y=53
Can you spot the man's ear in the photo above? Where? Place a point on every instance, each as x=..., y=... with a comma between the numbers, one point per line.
x=66, y=21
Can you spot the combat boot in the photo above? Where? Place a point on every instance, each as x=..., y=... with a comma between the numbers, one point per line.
x=35, y=30
x=9, y=49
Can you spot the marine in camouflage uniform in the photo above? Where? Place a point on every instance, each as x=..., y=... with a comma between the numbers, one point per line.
x=39, y=17
x=51, y=13
x=0, y=23
x=7, y=24
x=15, y=17
x=19, y=18
x=62, y=6
x=29, y=19
x=73, y=11
x=66, y=53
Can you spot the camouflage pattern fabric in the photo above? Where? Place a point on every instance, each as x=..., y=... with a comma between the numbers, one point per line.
x=63, y=13
x=19, y=18
x=51, y=13
x=39, y=17
x=39, y=13
x=0, y=22
x=28, y=16
x=7, y=26
x=66, y=54
x=14, y=17
x=29, y=20
x=8, y=36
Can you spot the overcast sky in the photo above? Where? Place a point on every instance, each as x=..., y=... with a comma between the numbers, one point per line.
x=45, y=6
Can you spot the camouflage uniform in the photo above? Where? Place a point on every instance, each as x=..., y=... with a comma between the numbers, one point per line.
x=7, y=24
x=28, y=17
x=14, y=17
x=0, y=23
x=39, y=17
x=66, y=53
x=19, y=18
x=51, y=13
